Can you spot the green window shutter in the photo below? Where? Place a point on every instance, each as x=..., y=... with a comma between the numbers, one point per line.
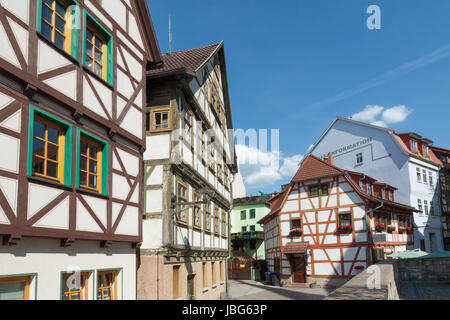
x=67, y=144
x=105, y=159
x=39, y=16
x=75, y=30
x=110, y=61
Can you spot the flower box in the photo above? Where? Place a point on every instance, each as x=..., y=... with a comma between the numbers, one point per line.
x=390, y=228
x=401, y=229
x=409, y=229
x=344, y=228
x=359, y=267
x=295, y=232
x=380, y=227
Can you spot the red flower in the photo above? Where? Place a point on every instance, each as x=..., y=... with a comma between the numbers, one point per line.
x=381, y=225
x=409, y=228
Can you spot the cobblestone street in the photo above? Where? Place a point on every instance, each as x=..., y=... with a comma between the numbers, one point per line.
x=252, y=290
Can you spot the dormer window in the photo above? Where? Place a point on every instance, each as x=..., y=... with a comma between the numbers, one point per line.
x=318, y=190
x=369, y=188
x=425, y=150
x=364, y=186
x=414, y=144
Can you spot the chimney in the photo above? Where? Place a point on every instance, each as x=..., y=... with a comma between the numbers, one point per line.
x=330, y=159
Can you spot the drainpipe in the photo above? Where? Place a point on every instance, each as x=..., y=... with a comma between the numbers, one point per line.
x=229, y=239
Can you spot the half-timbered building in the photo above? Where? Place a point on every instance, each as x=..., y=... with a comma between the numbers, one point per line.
x=328, y=224
x=191, y=160
x=72, y=97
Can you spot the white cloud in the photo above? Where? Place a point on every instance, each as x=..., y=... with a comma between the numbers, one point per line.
x=290, y=165
x=396, y=114
x=261, y=168
x=379, y=116
x=368, y=114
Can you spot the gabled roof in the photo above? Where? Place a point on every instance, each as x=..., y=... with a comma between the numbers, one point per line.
x=186, y=61
x=148, y=32
x=314, y=167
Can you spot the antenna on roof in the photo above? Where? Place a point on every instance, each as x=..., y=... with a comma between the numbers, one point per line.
x=170, y=35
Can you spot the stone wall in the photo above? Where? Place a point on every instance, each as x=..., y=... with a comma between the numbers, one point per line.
x=422, y=269
x=376, y=283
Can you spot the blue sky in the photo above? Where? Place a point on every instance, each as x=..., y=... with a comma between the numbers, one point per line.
x=295, y=65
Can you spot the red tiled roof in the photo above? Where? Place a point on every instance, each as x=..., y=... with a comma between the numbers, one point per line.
x=191, y=59
x=292, y=248
x=313, y=167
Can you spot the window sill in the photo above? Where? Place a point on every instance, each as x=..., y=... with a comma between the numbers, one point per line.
x=92, y=193
x=222, y=283
x=106, y=83
x=49, y=182
x=205, y=290
x=64, y=53
x=214, y=286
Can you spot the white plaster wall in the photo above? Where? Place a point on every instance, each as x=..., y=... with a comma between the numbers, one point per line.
x=48, y=259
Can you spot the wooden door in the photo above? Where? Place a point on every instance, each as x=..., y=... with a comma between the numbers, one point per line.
x=299, y=269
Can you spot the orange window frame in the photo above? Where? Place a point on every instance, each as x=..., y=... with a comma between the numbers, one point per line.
x=84, y=287
x=60, y=145
x=26, y=279
x=112, y=286
x=185, y=199
x=52, y=24
x=153, y=124
x=87, y=171
x=103, y=50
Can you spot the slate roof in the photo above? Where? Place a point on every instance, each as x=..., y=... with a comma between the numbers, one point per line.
x=190, y=60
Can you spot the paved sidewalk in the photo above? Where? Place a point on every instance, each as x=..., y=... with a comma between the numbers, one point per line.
x=253, y=290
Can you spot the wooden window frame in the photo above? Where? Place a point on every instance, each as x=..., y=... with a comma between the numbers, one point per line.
x=188, y=123
x=152, y=120
x=197, y=208
x=26, y=279
x=224, y=224
x=319, y=190
x=104, y=50
x=292, y=223
x=91, y=143
x=186, y=210
x=112, y=287
x=52, y=24
x=216, y=220
x=61, y=149
x=84, y=286
x=206, y=220
x=342, y=214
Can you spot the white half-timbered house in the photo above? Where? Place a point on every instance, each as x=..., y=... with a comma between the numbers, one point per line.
x=72, y=97
x=328, y=224
x=190, y=156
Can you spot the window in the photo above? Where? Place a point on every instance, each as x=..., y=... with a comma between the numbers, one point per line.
x=252, y=228
x=197, y=211
x=364, y=186
x=224, y=224
x=345, y=220
x=419, y=206
x=97, y=49
x=55, y=24
x=214, y=280
x=208, y=216
x=424, y=175
x=252, y=244
x=160, y=120
x=50, y=147
x=205, y=275
x=318, y=190
x=244, y=229
x=176, y=282
x=425, y=204
x=182, y=196
x=414, y=144
x=252, y=213
x=419, y=177
x=430, y=178
x=187, y=127
x=296, y=224
x=243, y=214
x=212, y=160
x=92, y=163
x=359, y=158
x=75, y=286
x=369, y=188
x=216, y=220
x=425, y=151
x=107, y=285
x=15, y=288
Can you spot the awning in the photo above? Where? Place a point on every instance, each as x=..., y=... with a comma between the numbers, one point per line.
x=293, y=248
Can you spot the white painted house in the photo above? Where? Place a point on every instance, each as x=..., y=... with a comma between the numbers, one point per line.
x=190, y=154
x=72, y=97
x=404, y=161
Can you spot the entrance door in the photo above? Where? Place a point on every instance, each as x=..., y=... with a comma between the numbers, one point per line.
x=299, y=269
x=191, y=286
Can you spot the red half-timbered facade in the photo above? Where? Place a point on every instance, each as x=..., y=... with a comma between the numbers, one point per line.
x=72, y=134
x=329, y=223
